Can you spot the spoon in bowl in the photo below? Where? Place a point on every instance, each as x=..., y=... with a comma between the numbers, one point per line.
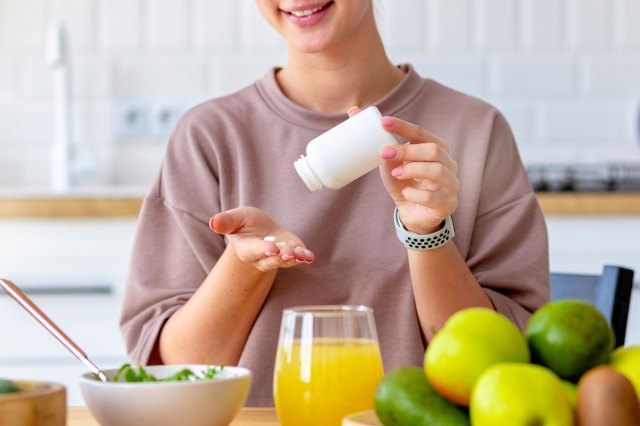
x=12, y=290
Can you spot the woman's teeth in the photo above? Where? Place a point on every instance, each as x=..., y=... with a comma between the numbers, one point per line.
x=303, y=13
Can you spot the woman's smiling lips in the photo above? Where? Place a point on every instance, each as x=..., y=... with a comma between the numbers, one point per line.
x=307, y=15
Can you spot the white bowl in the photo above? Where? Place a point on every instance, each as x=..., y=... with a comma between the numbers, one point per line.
x=210, y=402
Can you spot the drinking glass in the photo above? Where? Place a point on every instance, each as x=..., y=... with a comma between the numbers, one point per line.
x=328, y=364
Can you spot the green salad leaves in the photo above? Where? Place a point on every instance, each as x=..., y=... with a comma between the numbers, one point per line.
x=127, y=373
x=7, y=386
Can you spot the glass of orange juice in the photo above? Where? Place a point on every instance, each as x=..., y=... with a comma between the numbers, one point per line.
x=328, y=364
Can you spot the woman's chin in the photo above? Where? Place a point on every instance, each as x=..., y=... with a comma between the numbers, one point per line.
x=314, y=43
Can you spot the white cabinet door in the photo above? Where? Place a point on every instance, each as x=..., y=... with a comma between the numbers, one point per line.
x=29, y=352
x=91, y=321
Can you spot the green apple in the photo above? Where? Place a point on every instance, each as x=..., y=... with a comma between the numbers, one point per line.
x=520, y=395
x=471, y=340
x=626, y=360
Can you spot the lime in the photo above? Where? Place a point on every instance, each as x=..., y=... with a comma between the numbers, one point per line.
x=569, y=336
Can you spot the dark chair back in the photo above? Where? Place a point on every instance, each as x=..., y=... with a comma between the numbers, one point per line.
x=610, y=292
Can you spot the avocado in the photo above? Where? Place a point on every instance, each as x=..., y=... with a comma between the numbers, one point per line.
x=7, y=386
x=405, y=397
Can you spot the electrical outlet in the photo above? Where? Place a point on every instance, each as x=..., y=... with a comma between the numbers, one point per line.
x=132, y=118
x=164, y=115
x=155, y=117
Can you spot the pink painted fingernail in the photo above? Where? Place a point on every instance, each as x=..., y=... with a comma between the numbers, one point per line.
x=211, y=224
x=388, y=153
x=287, y=257
x=396, y=172
x=388, y=121
x=270, y=253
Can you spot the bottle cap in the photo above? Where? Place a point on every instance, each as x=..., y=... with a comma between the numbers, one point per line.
x=307, y=175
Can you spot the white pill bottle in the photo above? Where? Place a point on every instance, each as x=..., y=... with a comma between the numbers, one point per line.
x=344, y=153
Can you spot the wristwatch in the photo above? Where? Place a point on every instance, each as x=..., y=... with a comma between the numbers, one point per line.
x=424, y=241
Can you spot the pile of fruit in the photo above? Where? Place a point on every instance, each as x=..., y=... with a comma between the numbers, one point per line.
x=481, y=369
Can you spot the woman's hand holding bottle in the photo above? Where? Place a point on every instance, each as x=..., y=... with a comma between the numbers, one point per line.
x=420, y=176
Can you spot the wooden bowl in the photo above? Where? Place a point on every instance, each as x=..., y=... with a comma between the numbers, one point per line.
x=36, y=404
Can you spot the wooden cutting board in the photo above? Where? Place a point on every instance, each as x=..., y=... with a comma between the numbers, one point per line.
x=364, y=418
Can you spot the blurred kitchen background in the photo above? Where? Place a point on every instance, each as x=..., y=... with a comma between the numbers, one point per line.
x=90, y=90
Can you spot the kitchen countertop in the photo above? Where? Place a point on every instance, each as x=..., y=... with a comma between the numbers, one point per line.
x=589, y=203
x=70, y=207
x=128, y=206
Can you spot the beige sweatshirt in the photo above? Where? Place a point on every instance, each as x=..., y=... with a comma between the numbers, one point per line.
x=239, y=150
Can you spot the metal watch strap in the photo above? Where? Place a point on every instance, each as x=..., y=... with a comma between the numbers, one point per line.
x=424, y=241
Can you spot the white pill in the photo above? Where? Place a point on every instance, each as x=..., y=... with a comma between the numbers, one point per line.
x=280, y=244
x=271, y=238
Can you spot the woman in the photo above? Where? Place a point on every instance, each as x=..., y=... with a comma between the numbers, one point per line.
x=196, y=296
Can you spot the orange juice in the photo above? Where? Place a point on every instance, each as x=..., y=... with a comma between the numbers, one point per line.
x=320, y=383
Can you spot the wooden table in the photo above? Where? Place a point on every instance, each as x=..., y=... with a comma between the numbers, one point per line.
x=81, y=416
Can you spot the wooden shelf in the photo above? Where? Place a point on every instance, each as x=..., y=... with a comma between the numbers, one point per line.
x=128, y=207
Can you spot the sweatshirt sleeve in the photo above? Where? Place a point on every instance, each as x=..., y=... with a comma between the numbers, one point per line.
x=508, y=252
x=174, y=249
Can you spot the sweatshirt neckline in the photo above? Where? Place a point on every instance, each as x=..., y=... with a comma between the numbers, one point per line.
x=390, y=104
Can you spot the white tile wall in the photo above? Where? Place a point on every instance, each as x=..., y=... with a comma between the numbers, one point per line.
x=119, y=25
x=22, y=121
x=159, y=75
x=168, y=25
x=253, y=32
x=533, y=76
x=8, y=80
x=22, y=25
x=78, y=17
x=214, y=21
x=496, y=25
x=565, y=72
x=627, y=30
x=462, y=72
x=598, y=121
x=589, y=24
x=612, y=75
x=543, y=24
x=402, y=27
x=450, y=24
